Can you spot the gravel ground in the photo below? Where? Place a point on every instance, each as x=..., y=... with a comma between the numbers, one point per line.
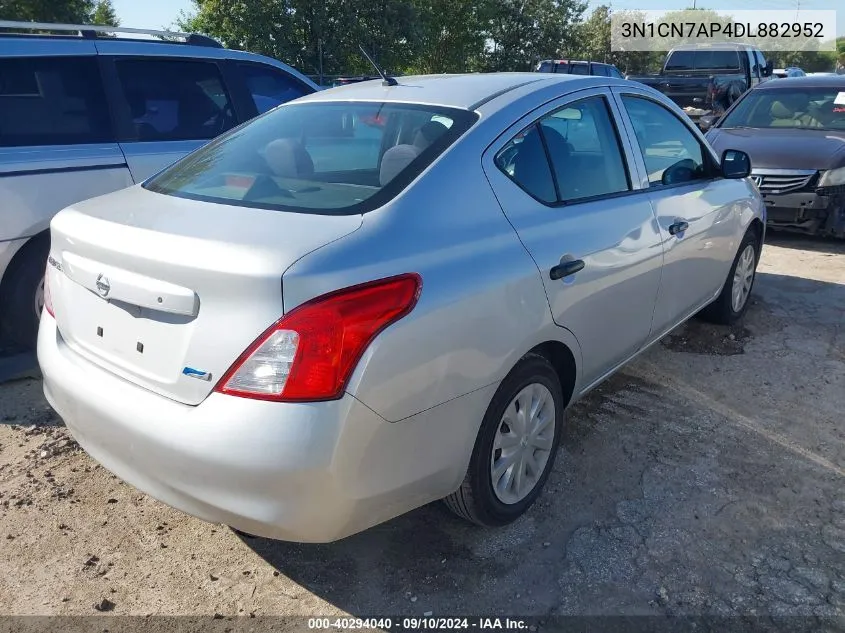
x=706, y=478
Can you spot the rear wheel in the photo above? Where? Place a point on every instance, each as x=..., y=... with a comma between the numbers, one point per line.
x=22, y=293
x=732, y=303
x=515, y=448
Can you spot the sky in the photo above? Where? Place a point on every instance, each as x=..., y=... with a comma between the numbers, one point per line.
x=157, y=14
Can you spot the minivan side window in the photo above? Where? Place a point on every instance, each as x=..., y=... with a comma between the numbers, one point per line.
x=52, y=101
x=672, y=154
x=175, y=99
x=270, y=87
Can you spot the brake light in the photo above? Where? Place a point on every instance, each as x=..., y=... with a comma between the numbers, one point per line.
x=310, y=353
x=48, y=298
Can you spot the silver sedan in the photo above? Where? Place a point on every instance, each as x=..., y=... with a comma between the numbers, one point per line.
x=379, y=296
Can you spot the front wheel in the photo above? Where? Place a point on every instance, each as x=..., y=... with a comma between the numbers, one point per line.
x=515, y=448
x=732, y=303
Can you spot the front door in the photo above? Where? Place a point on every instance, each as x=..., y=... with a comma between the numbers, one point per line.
x=562, y=178
x=696, y=209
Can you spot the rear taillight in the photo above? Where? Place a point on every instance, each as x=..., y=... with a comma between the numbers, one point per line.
x=48, y=298
x=310, y=353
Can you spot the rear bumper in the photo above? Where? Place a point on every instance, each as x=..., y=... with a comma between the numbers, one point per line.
x=312, y=472
x=807, y=211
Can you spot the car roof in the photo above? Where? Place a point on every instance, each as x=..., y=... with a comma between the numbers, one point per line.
x=807, y=81
x=467, y=91
x=26, y=45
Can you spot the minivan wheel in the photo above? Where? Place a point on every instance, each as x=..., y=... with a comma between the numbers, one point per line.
x=733, y=301
x=515, y=448
x=22, y=293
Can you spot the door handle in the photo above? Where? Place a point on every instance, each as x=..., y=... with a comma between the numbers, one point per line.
x=565, y=269
x=678, y=227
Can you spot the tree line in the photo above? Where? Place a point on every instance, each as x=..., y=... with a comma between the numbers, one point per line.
x=437, y=36
x=407, y=36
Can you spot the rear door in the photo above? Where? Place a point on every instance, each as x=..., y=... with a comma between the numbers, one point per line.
x=57, y=145
x=697, y=211
x=167, y=107
x=563, y=177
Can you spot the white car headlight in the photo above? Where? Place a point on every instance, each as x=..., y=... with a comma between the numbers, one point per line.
x=832, y=178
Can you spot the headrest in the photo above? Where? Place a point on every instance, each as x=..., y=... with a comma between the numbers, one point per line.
x=395, y=160
x=429, y=133
x=288, y=158
x=780, y=111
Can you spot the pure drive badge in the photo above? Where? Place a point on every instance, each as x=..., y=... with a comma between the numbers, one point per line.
x=190, y=372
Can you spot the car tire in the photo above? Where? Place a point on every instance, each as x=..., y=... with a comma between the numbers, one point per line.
x=522, y=449
x=23, y=282
x=726, y=309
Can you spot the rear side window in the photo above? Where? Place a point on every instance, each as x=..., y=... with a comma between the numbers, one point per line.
x=317, y=157
x=582, y=144
x=524, y=161
x=174, y=99
x=716, y=60
x=52, y=101
x=270, y=87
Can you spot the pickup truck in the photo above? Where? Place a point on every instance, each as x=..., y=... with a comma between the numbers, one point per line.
x=706, y=80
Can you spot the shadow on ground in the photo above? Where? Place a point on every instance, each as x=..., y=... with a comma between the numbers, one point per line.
x=801, y=242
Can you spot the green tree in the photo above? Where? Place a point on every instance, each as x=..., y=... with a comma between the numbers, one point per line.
x=522, y=32
x=449, y=36
x=104, y=14
x=62, y=11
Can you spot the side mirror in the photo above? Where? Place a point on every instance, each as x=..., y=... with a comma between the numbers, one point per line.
x=735, y=164
x=707, y=121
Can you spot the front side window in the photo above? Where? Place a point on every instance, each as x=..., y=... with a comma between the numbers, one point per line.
x=580, y=69
x=600, y=70
x=52, y=101
x=671, y=152
x=789, y=107
x=317, y=157
x=175, y=100
x=270, y=87
x=614, y=72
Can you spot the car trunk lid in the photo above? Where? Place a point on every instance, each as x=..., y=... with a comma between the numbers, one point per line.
x=167, y=292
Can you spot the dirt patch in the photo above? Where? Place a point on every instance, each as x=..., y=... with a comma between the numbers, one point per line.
x=698, y=337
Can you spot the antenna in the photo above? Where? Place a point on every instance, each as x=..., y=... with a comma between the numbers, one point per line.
x=386, y=80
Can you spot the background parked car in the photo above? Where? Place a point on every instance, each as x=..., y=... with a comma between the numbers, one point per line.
x=81, y=116
x=794, y=132
x=576, y=67
x=705, y=79
x=783, y=73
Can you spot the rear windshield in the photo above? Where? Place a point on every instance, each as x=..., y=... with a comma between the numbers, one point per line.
x=323, y=158
x=703, y=60
x=790, y=107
